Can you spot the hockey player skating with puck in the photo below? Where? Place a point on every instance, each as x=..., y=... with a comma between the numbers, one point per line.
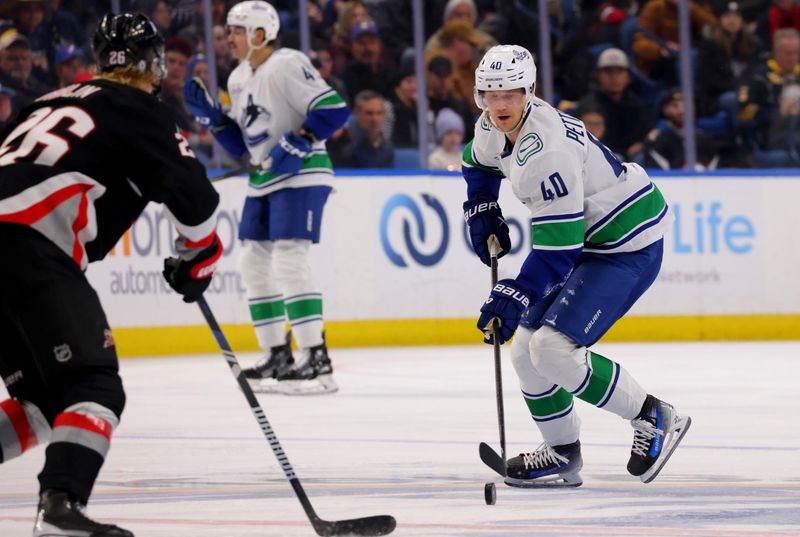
x=76, y=169
x=281, y=113
x=597, y=243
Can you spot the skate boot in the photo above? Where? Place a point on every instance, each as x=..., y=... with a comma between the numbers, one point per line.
x=557, y=466
x=657, y=431
x=61, y=516
x=262, y=376
x=312, y=376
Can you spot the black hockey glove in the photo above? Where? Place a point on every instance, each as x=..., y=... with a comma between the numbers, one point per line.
x=190, y=273
x=485, y=219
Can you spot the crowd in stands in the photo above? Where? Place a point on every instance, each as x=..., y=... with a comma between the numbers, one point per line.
x=616, y=67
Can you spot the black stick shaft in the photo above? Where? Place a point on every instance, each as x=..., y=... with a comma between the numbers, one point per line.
x=498, y=376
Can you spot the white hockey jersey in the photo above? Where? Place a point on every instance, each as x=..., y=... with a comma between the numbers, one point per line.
x=273, y=100
x=580, y=196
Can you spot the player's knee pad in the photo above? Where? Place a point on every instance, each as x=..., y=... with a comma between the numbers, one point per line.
x=558, y=358
x=22, y=427
x=520, y=351
x=87, y=424
x=291, y=261
x=255, y=263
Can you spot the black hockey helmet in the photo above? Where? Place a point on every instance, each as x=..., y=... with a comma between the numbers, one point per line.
x=129, y=39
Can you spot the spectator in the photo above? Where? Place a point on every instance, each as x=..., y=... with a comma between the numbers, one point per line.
x=222, y=56
x=730, y=51
x=781, y=14
x=16, y=67
x=769, y=103
x=322, y=60
x=160, y=13
x=458, y=45
x=627, y=118
x=368, y=147
x=69, y=63
x=450, y=135
x=351, y=14
x=6, y=106
x=664, y=144
x=366, y=71
x=403, y=109
x=466, y=11
x=439, y=85
x=594, y=122
x=661, y=18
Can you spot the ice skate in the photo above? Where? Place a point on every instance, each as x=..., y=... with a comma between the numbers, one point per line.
x=262, y=376
x=311, y=377
x=557, y=466
x=657, y=431
x=60, y=516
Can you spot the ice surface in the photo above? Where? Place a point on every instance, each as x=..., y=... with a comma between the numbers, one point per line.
x=401, y=437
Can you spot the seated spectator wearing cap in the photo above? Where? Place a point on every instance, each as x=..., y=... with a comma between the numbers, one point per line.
x=439, y=85
x=403, y=109
x=16, y=66
x=661, y=18
x=350, y=15
x=450, y=136
x=366, y=71
x=628, y=119
x=781, y=14
x=69, y=63
x=364, y=144
x=464, y=10
x=46, y=26
x=664, y=144
x=458, y=45
x=769, y=103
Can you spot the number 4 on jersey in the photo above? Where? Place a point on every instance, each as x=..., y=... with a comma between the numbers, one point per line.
x=558, y=186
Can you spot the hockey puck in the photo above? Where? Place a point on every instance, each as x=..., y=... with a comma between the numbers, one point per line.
x=489, y=493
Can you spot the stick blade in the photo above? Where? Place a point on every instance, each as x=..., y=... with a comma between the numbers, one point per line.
x=491, y=459
x=371, y=526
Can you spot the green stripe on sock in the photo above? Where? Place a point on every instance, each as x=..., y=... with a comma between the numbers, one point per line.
x=557, y=234
x=304, y=308
x=602, y=375
x=267, y=310
x=542, y=407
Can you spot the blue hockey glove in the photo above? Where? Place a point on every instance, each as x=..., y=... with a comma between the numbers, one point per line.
x=485, y=219
x=288, y=154
x=506, y=303
x=207, y=112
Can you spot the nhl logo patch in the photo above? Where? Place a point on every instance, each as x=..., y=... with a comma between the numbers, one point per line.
x=62, y=353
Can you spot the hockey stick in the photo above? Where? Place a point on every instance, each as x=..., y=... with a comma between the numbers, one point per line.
x=488, y=455
x=242, y=170
x=367, y=526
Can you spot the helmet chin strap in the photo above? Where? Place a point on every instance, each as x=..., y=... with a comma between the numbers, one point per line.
x=251, y=47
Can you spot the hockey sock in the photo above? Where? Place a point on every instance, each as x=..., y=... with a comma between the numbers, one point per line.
x=305, y=316
x=269, y=319
x=78, y=446
x=609, y=386
x=22, y=427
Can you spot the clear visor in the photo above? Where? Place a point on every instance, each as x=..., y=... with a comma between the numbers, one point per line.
x=503, y=98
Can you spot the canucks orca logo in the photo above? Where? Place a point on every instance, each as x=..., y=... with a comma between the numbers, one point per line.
x=254, y=112
x=404, y=201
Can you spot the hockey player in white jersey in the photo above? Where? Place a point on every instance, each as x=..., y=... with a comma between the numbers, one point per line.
x=282, y=111
x=597, y=229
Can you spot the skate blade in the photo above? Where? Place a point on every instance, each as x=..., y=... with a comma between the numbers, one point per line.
x=269, y=385
x=317, y=386
x=554, y=481
x=678, y=430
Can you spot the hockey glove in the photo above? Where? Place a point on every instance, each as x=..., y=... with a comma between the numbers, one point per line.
x=505, y=304
x=288, y=154
x=485, y=219
x=207, y=112
x=190, y=273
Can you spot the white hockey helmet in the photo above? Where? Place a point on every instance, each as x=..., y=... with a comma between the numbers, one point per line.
x=252, y=15
x=504, y=67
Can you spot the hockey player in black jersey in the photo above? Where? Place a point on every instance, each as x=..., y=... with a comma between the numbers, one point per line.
x=76, y=169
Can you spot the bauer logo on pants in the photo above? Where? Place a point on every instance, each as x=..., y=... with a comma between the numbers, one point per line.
x=401, y=216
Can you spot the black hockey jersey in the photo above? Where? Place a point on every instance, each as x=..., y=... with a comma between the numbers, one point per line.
x=81, y=163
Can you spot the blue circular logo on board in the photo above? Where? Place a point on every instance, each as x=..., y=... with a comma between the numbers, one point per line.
x=409, y=223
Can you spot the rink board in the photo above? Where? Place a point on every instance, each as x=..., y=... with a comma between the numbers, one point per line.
x=395, y=267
